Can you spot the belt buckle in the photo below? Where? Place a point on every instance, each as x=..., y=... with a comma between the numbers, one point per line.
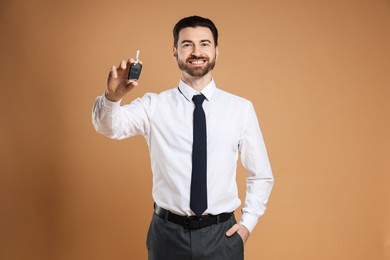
x=192, y=222
x=195, y=222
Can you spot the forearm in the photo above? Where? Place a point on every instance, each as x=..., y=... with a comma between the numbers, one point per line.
x=119, y=122
x=258, y=192
x=103, y=116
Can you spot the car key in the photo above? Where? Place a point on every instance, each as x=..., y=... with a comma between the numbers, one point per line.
x=135, y=69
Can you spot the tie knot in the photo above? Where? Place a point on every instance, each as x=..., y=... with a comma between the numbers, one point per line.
x=198, y=99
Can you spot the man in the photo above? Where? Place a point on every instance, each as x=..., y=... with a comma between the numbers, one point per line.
x=195, y=133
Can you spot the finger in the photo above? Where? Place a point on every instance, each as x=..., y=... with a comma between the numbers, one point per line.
x=114, y=73
x=123, y=64
x=133, y=83
x=232, y=230
x=131, y=60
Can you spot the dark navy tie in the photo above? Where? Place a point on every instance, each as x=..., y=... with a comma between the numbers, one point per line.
x=198, y=200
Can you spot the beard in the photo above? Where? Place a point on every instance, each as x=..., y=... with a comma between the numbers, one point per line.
x=197, y=71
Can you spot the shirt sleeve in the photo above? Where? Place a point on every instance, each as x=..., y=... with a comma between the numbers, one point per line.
x=255, y=160
x=119, y=122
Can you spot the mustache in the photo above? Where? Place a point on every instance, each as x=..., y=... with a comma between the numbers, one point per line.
x=197, y=57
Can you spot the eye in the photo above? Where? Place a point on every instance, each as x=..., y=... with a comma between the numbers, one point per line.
x=186, y=45
x=205, y=44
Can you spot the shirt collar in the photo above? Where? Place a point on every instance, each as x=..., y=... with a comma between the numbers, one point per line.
x=188, y=92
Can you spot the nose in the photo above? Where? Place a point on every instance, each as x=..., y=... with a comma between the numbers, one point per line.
x=195, y=50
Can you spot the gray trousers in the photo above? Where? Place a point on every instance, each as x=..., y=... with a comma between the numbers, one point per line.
x=169, y=241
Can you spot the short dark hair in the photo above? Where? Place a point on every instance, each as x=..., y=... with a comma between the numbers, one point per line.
x=194, y=21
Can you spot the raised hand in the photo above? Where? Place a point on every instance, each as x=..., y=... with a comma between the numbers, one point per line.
x=117, y=83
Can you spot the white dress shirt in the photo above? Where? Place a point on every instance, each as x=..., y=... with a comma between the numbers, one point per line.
x=166, y=122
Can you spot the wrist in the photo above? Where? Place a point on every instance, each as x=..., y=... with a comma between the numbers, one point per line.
x=110, y=97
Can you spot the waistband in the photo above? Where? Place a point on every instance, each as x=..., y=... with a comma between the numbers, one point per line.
x=191, y=222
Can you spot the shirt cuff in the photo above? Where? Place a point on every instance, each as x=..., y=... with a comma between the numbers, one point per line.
x=248, y=221
x=110, y=104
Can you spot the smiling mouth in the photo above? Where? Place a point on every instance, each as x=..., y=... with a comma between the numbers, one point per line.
x=197, y=62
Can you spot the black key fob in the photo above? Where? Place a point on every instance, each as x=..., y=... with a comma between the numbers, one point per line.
x=135, y=69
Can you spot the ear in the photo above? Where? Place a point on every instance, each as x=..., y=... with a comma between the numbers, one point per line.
x=175, y=52
x=216, y=52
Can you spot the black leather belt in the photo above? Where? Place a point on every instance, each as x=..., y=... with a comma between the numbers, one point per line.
x=191, y=222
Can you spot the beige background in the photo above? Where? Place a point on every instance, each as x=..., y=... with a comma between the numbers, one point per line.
x=318, y=73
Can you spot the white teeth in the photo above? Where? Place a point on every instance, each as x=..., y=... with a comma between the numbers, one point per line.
x=197, y=62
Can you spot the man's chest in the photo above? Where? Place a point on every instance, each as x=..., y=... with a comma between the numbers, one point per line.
x=173, y=125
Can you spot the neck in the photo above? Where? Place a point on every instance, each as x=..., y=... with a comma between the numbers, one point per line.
x=197, y=83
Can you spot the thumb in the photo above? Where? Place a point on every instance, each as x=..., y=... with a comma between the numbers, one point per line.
x=232, y=230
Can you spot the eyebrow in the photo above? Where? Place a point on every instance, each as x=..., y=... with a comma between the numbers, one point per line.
x=188, y=41
x=205, y=41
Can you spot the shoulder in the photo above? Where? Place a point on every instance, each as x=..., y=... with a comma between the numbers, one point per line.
x=168, y=93
x=232, y=99
x=163, y=94
x=149, y=96
x=151, y=100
